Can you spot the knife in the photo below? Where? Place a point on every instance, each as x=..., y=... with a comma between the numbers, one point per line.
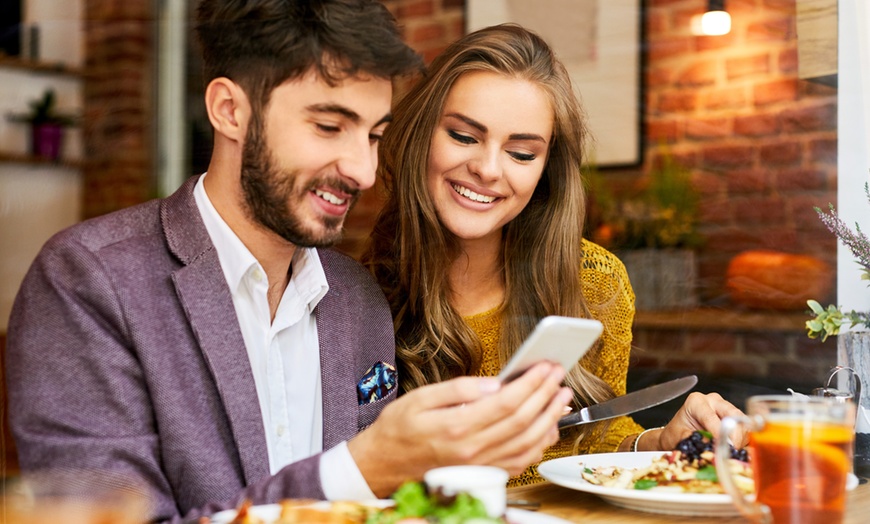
x=630, y=402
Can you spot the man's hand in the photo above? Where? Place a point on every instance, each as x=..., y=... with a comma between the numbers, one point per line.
x=467, y=420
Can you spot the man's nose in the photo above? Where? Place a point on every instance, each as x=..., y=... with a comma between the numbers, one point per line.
x=360, y=163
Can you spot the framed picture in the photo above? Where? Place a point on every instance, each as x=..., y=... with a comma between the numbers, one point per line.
x=10, y=28
x=599, y=41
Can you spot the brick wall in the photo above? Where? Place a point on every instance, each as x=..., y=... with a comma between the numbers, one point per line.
x=119, y=105
x=763, y=148
x=785, y=356
x=761, y=142
x=8, y=455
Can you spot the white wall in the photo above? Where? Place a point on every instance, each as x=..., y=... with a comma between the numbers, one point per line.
x=36, y=201
x=853, y=135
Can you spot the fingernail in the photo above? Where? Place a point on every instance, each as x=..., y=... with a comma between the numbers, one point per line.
x=567, y=409
x=489, y=385
x=558, y=373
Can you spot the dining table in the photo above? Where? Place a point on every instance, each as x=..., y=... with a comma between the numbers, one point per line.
x=578, y=506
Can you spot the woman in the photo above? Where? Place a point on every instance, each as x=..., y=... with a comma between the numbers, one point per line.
x=481, y=235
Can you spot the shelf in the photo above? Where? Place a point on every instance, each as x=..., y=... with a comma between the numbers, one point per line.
x=714, y=319
x=39, y=161
x=39, y=67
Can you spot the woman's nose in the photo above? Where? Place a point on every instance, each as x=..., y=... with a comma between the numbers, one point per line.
x=486, y=166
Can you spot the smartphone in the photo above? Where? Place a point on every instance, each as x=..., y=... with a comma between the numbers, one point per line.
x=563, y=340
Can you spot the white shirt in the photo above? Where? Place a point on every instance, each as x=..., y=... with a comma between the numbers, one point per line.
x=284, y=355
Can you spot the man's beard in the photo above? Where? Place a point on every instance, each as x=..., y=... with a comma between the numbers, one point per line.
x=269, y=192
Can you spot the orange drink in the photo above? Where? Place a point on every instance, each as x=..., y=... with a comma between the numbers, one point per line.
x=800, y=450
x=802, y=477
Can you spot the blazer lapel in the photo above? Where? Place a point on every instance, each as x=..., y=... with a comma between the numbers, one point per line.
x=203, y=293
x=337, y=362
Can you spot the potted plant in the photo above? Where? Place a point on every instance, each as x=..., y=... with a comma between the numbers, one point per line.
x=853, y=347
x=46, y=125
x=654, y=233
x=827, y=321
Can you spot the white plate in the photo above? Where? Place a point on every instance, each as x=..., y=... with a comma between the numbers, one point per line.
x=566, y=472
x=270, y=513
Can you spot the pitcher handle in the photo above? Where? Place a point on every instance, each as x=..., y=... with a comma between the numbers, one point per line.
x=857, y=378
x=754, y=511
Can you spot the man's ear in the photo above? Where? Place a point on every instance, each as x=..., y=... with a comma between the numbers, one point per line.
x=228, y=108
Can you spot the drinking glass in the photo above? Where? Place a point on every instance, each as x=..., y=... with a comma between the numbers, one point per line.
x=800, y=450
x=73, y=497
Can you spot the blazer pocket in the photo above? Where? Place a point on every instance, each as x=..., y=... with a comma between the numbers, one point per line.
x=367, y=413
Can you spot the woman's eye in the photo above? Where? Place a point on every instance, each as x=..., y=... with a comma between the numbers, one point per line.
x=462, y=139
x=375, y=138
x=523, y=157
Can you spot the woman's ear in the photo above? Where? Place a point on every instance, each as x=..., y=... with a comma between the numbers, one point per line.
x=228, y=108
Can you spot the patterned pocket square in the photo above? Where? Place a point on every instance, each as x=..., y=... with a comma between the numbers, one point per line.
x=376, y=383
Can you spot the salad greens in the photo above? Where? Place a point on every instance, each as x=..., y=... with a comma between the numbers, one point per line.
x=413, y=501
x=645, y=484
x=708, y=472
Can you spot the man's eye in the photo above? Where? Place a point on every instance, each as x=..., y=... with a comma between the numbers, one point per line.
x=328, y=128
x=523, y=157
x=462, y=139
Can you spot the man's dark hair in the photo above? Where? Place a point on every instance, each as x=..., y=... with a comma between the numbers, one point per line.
x=260, y=44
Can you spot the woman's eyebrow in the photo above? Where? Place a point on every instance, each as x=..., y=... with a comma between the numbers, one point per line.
x=527, y=136
x=470, y=121
x=483, y=129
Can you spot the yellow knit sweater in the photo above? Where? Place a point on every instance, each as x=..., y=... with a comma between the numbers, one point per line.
x=611, y=300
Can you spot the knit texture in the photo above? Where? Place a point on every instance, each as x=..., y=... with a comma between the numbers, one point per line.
x=611, y=300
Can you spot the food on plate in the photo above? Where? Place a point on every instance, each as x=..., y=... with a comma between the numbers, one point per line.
x=689, y=468
x=413, y=504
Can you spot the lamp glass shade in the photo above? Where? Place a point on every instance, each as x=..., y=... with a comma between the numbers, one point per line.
x=712, y=23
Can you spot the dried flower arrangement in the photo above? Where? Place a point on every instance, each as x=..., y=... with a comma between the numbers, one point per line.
x=827, y=321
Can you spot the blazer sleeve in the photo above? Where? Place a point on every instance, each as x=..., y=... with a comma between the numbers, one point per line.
x=79, y=398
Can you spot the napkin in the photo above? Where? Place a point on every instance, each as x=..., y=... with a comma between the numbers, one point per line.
x=796, y=394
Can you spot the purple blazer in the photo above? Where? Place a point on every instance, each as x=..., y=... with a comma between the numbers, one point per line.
x=125, y=354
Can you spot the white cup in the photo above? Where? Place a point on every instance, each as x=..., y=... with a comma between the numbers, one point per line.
x=485, y=483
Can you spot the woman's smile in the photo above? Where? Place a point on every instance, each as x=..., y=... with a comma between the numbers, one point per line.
x=488, y=152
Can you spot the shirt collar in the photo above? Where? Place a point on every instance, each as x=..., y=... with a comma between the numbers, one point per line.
x=234, y=256
x=308, y=277
x=236, y=260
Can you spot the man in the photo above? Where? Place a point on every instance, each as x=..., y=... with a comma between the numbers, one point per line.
x=205, y=347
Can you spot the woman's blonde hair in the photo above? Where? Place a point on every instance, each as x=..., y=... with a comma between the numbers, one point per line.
x=410, y=252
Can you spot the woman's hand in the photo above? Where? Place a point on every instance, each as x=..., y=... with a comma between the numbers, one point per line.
x=699, y=412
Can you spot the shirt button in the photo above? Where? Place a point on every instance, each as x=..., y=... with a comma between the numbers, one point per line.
x=258, y=275
x=281, y=430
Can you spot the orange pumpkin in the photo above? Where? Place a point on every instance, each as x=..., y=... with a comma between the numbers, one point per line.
x=775, y=280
